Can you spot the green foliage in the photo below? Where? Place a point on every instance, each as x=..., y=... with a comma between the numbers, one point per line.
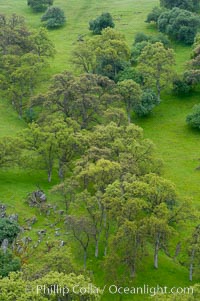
x=181, y=87
x=131, y=93
x=148, y=101
x=192, y=75
x=55, y=259
x=192, y=294
x=8, y=263
x=82, y=98
x=141, y=37
x=10, y=151
x=101, y=22
x=15, y=287
x=51, y=145
x=179, y=24
x=142, y=40
x=106, y=54
x=54, y=17
x=130, y=73
x=193, y=119
x=154, y=15
x=23, y=58
x=39, y=5
x=8, y=230
x=155, y=62
x=192, y=5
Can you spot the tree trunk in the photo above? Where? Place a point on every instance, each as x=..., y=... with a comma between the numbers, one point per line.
x=60, y=171
x=129, y=117
x=132, y=274
x=85, y=258
x=157, y=245
x=20, y=109
x=191, y=265
x=106, y=240
x=158, y=89
x=49, y=175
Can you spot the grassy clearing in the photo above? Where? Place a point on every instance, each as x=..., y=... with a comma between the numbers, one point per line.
x=176, y=142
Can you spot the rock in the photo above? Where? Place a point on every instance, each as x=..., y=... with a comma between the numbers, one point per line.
x=36, y=198
x=62, y=243
x=13, y=217
x=4, y=245
x=42, y=232
x=26, y=240
x=60, y=212
x=31, y=221
x=2, y=211
x=57, y=233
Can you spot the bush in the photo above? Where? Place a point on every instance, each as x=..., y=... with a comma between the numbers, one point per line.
x=101, y=22
x=39, y=5
x=8, y=263
x=8, y=229
x=130, y=73
x=192, y=5
x=154, y=15
x=140, y=37
x=54, y=17
x=181, y=87
x=193, y=119
x=179, y=24
x=141, y=40
x=148, y=102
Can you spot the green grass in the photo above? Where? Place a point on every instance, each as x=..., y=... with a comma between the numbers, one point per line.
x=178, y=145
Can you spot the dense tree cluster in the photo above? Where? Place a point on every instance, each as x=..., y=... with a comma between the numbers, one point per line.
x=22, y=57
x=105, y=54
x=101, y=22
x=17, y=287
x=155, y=62
x=191, y=5
x=179, y=24
x=39, y=5
x=142, y=40
x=118, y=205
x=193, y=119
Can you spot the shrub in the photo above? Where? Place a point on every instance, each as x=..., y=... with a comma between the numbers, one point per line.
x=39, y=5
x=193, y=119
x=141, y=40
x=140, y=37
x=8, y=229
x=54, y=17
x=130, y=73
x=101, y=22
x=192, y=5
x=154, y=15
x=179, y=24
x=148, y=102
x=8, y=263
x=181, y=87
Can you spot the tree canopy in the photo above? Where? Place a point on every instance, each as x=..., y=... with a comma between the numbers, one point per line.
x=106, y=54
x=180, y=24
x=103, y=21
x=192, y=5
x=155, y=62
x=54, y=17
x=39, y=5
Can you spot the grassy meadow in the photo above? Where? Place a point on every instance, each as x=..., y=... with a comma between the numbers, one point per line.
x=177, y=145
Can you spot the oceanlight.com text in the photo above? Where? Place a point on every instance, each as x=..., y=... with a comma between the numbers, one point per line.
x=114, y=290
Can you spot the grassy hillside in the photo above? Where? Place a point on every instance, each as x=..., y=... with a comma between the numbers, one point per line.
x=176, y=143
